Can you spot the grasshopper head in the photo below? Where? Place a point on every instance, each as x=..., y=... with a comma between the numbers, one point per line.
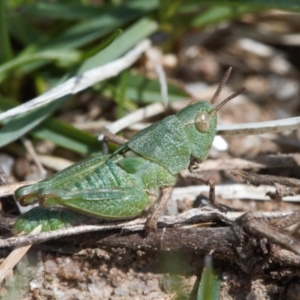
x=199, y=120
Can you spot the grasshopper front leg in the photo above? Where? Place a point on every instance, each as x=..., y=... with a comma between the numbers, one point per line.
x=200, y=178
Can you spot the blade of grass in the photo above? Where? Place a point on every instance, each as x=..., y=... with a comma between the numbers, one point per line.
x=60, y=55
x=67, y=136
x=120, y=97
x=23, y=30
x=168, y=8
x=218, y=13
x=87, y=31
x=21, y=124
x=266, y=4
x=74, y=11
x=210, y=283
x=5, y=49
x=25, y=122
x=135, y=33
x=144, y=90
x=60, y=133
x=140, y=90
x=105, y=43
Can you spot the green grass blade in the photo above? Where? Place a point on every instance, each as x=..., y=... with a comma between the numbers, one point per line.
x=74, y=11
x=23, y=30
x=266, y=4
x=218, y=13
x=210, y=284
x=80, y=34
x=67, y=136
x=143, y=90
x=60, y=56
x=97, y=27
x=58, y=132
x=135, y=33
x=5, y=48
x=22, y=124
x=120, y=97
x=64, y=11
x=168, y=8
x=105, y=43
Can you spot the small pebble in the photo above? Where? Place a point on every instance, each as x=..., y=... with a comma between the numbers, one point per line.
x=6, y=163
x=122, y=290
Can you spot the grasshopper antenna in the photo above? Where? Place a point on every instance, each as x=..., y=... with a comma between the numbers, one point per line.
x=238, y=92
x=221, y=85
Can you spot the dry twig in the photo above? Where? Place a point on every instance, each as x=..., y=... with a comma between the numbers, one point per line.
x=261, y=162
x=285, y=186
x=192, y=216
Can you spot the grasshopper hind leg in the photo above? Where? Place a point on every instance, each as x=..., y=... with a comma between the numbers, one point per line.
x=113, y=203
x=153, y=218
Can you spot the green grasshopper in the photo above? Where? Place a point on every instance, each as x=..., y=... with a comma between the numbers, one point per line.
x=128, y=182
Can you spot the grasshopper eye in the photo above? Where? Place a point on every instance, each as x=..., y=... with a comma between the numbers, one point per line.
x=202, y=121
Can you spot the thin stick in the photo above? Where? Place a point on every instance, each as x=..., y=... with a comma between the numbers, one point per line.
x=134, y=225
x=3, y=180
x=153, y=55
x=269, y=161
x=231, y=191
x=9, y=189
x=29, y=147
x=138, y=115
x=259, y=127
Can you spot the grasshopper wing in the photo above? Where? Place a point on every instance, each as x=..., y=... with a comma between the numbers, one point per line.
x=165, y=143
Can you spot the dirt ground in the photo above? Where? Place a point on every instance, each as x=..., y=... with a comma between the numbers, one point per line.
x=268, y=66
